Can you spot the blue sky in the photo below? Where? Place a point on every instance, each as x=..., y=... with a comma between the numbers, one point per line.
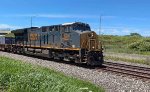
x=119, y=17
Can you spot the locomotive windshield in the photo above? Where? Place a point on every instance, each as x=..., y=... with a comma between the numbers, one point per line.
x=76, y=26
x=81, y=27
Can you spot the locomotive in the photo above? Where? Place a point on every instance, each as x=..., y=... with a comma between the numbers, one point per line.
x=69, y=42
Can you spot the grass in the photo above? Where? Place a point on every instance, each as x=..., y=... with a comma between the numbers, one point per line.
x=120, y=44
x=16, y=76
x=127, y=60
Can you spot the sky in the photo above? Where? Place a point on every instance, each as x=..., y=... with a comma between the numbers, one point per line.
x=118, y=17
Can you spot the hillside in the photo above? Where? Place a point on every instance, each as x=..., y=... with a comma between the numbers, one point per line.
x=133, y=44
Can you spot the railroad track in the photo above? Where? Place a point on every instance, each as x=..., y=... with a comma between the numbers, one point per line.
x=134, y=71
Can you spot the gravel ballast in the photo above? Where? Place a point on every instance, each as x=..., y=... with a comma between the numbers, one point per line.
x=111, y=82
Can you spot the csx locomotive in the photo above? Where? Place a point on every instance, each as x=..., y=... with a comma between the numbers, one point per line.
x=69, y=42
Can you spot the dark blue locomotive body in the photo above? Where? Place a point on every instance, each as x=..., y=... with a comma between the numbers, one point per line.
x=69, y=41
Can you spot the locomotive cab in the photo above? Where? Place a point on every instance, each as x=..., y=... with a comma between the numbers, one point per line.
x=90, y=49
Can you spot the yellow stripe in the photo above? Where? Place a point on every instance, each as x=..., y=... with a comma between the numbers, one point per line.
x=48, y=47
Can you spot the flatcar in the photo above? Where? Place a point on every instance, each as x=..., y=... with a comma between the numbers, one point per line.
x=69, y=41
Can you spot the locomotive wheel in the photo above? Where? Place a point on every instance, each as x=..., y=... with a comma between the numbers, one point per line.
x=61, y=58
x=77, y=60
x=90, y=60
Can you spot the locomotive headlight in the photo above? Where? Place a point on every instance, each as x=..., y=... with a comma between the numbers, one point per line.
x=92, y=34
x=93, y=47
x=73, y=46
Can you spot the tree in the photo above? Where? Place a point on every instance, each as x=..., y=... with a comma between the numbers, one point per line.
x=135, y=34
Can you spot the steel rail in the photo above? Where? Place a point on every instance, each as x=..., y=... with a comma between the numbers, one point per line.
x=136, y=71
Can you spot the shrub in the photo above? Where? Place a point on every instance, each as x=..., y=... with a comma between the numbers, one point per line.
x=142, y=45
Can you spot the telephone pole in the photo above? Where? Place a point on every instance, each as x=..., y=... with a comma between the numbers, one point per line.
x=100, y=29
x=100, y=26
x=31, y=21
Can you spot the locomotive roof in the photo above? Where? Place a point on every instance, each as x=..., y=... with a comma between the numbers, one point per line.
x=22, y=30
x=66, y=24
x=17, y=31
x=71, y=23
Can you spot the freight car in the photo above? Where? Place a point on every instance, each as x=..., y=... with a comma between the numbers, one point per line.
x=70, y=42
x=6, y=41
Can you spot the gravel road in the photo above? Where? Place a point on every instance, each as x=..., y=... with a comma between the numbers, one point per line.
x=110, y=82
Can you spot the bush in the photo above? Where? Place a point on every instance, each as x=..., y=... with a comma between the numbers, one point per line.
x=135, y=34
x=142, y=45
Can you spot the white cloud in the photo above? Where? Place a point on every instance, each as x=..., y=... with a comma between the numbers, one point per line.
x=122, y=31
x=6, y=26
x=58, y=16
x=127, y=31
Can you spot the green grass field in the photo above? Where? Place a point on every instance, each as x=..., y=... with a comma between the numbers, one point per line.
x=16, y=76
x=126, y=44
x=146, y=62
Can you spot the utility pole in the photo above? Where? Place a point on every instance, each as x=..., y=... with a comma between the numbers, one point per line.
x=34, y=34
x=31, y=30
x=100, y=26
x=31, y=21
x=100, y=29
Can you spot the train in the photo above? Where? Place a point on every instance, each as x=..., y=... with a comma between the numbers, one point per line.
x=68, y=41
